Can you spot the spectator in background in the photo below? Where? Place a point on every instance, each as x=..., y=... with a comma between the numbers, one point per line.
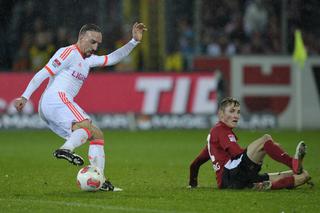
x=223, y=47
x=257, y=44
x=174, y=60
x=312, y=43
x=273, y=37
x=62, y=37
x=41, y=50
x=255, y=18
x=23, y=16
x=21, y=61
x=186, y=39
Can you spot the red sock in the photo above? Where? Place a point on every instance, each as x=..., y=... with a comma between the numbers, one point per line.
x=195, y=165
x=286, y=182
x=276, y=153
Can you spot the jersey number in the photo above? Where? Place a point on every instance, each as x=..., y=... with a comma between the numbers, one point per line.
x=215, y=165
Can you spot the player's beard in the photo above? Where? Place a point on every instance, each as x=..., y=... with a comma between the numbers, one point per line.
x=89, y=53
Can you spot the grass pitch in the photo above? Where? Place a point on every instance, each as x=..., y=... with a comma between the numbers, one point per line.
x=152, y=167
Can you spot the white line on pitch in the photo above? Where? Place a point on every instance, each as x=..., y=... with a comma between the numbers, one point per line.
x=96, y=206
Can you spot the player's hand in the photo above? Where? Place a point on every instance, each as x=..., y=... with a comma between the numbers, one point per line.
x=137, y=31
x=19, y=103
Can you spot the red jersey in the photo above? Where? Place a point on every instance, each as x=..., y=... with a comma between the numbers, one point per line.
x=223, y=148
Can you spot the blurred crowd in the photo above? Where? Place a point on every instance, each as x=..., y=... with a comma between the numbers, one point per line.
x=246, y=27
x=254, y=26
x=227, y=27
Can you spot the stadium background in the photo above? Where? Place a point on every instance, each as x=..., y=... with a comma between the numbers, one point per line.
x=194, y=53
x=245, y=45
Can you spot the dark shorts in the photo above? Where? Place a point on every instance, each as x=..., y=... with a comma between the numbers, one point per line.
x=244, y=175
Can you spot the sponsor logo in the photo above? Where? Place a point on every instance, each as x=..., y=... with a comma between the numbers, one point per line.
x=56, y=63
x=232, y=138
x=78, y=75
x=143, y=122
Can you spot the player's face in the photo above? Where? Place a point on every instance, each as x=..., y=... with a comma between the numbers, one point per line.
x=230, y=116
x=89, y=42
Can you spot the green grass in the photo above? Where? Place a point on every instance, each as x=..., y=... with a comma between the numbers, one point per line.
x=151, y=167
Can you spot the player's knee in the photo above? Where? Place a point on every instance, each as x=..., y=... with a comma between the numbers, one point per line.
x=88, y=126
x=301, y=179
x=306, y=175
x=82, y=124
x=85, y=124
x=97, y=133
x=266, y=137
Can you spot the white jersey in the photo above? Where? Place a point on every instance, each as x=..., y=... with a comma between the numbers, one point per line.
x=69, y=69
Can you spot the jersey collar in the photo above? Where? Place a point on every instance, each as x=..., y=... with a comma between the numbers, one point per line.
x=79, y=50
x=220, y=123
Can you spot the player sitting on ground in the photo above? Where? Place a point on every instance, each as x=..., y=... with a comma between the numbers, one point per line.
x=238, y=168
x=67, y=70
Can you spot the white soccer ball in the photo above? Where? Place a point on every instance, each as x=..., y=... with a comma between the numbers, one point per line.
x=90, y=178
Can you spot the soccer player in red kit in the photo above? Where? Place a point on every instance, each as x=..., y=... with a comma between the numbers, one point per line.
x=238, y=168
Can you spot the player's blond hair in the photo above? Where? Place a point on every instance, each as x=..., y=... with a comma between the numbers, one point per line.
x=226, y=102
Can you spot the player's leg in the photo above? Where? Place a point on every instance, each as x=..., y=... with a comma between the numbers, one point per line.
x=265, y=145
x=255, y=150
x=60, y=117
x=285, y=180
x=275, y=176
x=300, y=179
x=96, y=152
x=80, y=134
x=297, y=161
x=77, y=137
x=195, y=165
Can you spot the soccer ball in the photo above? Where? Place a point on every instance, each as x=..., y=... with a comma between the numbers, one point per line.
x=90, y=178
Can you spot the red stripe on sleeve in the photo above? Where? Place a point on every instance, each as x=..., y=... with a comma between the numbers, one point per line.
x=49, y=70
x=105, y=60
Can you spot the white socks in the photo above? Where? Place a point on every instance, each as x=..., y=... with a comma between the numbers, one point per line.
x=96, y=148
x=77, y=138
x=96, y=154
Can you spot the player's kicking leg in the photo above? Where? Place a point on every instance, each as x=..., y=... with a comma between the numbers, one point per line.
x=69, y=156
x=78, y=137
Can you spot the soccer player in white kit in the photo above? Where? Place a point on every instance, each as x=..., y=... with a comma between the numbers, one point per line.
x=67, y=70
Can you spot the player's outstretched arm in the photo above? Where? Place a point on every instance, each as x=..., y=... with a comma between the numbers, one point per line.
x=137, y=31
x=119, y=54
x=122, y=52
x=32, y=86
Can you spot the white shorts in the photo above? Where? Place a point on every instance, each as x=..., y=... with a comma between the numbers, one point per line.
x=60, y=112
